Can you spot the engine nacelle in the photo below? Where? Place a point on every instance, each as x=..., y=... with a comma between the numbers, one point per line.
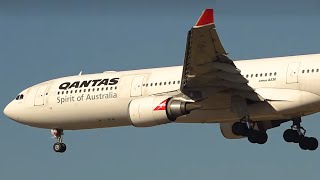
x=156, y=110
x=226, y=131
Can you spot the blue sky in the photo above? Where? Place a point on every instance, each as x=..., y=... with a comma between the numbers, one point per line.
x=41, y=40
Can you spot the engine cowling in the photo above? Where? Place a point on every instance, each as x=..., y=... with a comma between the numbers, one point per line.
x=226, y=131
x=156, y=110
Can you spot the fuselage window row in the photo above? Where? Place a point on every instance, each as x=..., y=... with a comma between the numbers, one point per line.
x=312, y=70
x=86, y=90
x=161, y=83
x=260, y=75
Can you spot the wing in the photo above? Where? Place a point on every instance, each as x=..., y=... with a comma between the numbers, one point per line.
x=207, y=70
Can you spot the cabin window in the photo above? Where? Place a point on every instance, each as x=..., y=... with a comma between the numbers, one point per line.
x=256, y=75
x=266, y=74
x=160, y=83
x=84, y=90
x=147, y=85
x=66, y=92
x=110, y=88
x=169, y=82
x=150, y=84
x=71, y=92
x=93, y=90
x=58, y=92
x=312, y=70
x=302, y=71
x=174, y=82
x=178, y=82
x=164, y=83
x=308, y=71
x=106, y=88
x=62, y=92
x=79, y=90
x=155, y=84
x=88, y=90
x=115, y=87
x=75, y=91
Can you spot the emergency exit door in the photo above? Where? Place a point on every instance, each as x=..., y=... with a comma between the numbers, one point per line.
x=292, y=72
x=136, y=86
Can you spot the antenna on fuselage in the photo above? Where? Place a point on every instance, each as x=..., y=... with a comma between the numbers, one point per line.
x=80, y=73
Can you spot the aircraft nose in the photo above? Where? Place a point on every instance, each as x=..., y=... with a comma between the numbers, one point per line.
x=8, y=111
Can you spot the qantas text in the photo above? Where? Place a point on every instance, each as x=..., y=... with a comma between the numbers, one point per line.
x=91, y=83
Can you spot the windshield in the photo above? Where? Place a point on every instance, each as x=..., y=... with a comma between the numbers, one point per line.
x=19, y=97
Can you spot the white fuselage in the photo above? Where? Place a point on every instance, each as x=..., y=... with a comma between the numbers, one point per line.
x=289, y=85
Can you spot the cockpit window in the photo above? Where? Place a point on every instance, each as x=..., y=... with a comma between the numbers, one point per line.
x=19, y=97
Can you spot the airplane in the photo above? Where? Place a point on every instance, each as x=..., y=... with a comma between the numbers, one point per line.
x=246, y=97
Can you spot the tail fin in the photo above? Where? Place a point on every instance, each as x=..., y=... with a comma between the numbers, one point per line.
x=206, y=18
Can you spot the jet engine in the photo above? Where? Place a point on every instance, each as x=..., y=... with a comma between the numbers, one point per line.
x=226, y=131
x=156, y=110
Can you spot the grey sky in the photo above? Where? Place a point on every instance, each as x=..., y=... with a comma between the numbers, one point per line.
x=41, y=40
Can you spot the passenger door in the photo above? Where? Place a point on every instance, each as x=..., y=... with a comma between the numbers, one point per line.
x=136, y=86
x=40, y=95
x=292, y=72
